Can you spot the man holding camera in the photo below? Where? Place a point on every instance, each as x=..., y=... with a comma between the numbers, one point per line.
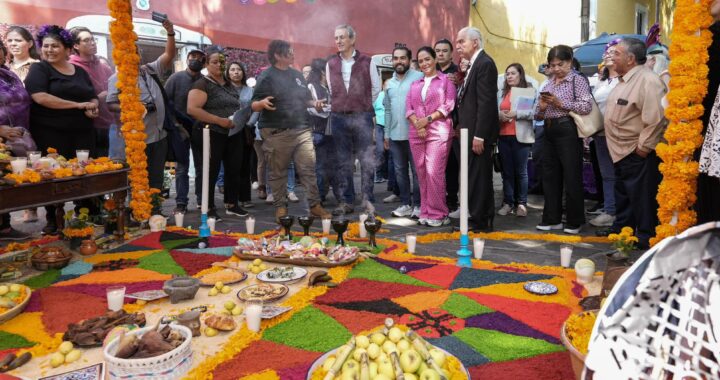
x=151, y=94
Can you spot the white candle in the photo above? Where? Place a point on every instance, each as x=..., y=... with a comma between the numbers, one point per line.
x=250, y=225
x=565, y=255
x=34, y=156
x=464, y=181
x=326, y=226
x=19, y=165
x=411, y=241
x=253, y=315
x=82, y=155
x=363, y=230
x=179, y=216
x=211, y=223
x=478, y=247
x=205, y=169
x=115, y=297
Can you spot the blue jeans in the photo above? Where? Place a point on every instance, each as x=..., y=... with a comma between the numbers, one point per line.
x=402, y=159
x=291, y=179
x=514, y=157
x=353, y=133
x=607, y=170
x=221, y=176
x=392, y=181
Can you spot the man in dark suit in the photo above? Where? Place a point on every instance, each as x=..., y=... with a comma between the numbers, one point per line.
x=477, y=109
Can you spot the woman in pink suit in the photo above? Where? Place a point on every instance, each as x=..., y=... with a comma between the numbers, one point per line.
x=429, y=104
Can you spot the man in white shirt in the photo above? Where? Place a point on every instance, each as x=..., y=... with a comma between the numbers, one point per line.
x=354, y=84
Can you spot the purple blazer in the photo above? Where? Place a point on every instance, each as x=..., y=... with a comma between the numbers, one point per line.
x=440, y=97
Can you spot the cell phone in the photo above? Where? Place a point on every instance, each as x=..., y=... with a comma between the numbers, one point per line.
x=159, y=17
x=545, y=93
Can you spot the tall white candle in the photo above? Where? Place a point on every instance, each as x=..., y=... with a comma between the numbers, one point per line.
x=411, y=241
x=211, y=223
x=363, y=230
x=250, y=225
x=205, y=169
x=565, y=255
x=463, y=181
x=326, y=222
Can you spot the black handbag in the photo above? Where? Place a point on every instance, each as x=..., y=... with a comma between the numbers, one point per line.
x=497, y=162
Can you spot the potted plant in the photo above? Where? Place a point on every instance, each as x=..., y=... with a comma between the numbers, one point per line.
x=624, y=242
x=111, y=216
x=618, y=262
x=156, y=201
x=78, y=227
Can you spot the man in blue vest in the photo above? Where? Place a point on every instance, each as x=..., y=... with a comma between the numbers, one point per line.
x=354, y=84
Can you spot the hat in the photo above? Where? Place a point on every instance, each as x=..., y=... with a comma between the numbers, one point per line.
x=196, y=51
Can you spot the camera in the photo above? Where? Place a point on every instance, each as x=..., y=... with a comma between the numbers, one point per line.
x=150, y=107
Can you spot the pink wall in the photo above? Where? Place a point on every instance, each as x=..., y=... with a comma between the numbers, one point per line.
x=307, y=24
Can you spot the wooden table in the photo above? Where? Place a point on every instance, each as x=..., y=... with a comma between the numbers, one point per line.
x=59, y=191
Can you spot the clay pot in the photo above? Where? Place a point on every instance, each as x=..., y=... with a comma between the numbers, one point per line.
x=88, y=247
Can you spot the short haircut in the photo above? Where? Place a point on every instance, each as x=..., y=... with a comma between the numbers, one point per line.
x=407, y=51
x=561, y=52
x=428, y=50
x=277, y=47
x=350, y=30
x=445, y=41
x=637, y=48
x=75, y=33
x=473, y=33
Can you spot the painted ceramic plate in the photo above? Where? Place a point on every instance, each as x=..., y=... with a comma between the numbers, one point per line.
x=541, y=288
x=263, y=292
x=281, y=275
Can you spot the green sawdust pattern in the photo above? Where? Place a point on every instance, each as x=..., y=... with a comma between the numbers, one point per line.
x=8, y=340
x=309, y=329
x=463, y=307
x=372, y=270
x=161, y=262
x=500, y=347
x=171, y=244
x=43, y=280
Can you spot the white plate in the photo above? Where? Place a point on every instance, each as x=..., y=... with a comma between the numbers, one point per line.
x=297, y=275
x=319, y=362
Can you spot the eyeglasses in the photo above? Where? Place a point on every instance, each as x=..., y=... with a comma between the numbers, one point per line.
x=89, y=40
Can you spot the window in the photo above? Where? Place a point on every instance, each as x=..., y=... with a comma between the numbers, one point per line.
x=641, y=19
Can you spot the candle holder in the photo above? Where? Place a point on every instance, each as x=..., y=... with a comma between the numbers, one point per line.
x=306, y=222
x=340, y=226
x=287, y=222
x=372, y=226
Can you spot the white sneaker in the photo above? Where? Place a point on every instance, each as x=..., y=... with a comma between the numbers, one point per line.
x=521, y=210
x=422, y=222
x=292, y=197
x=415, y=213
x=505, y=209
x=455, y=214
x=549, y=227
x=438, y=222
x=255, y=185
x=270, y=199
x=603, y=220
x=391, y=199
x=402, y=211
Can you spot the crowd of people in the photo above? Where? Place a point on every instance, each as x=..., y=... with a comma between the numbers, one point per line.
x=314, y=124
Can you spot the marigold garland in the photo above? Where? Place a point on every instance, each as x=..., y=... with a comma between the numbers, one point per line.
x=688, y=86
x=127, y=60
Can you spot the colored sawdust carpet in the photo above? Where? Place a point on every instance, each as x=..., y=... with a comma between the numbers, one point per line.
x=480, y=314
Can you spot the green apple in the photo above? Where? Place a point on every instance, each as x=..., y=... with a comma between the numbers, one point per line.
x=327, y=365
x=225, y=289
x=15, y=288
x=219, y=285
x=409, y=376
x=429, y=374
x=373, y=351
x=229, y=305
x=357, y=354
x=403, y=345
x=65, y=347
x=237, y=310
x=385, y=367
x=213, y=292
x=395, y=334
x=389, y=347
x=362, y=341
x=57, y=359
x=410, y=361
x=381, y=376
x=257, y=262
x=350, y=375
x=438, y=357
x=351, y=365
x=373, y=370
x=4, y=289
x=423, y=367
x=378, y=338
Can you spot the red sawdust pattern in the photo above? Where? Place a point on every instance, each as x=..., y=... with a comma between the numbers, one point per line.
x=195, y=262
x=441, y=275
x=542, y=316
x=61, y=307
x=262, y=355
x=511, y=269
x=295, y=373
x=577, y=289
x=151, y=240
x=555, y=366
x=355, y=321
x=358, y=289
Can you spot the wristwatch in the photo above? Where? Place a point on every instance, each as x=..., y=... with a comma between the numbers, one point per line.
x=429, y=119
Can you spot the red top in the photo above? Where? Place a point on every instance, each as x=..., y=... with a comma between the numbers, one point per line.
x=507, y=128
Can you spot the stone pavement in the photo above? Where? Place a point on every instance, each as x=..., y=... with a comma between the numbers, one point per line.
x=535, y=252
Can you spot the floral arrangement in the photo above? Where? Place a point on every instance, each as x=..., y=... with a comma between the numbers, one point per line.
x=102, y=164
x=54, y=30
x=127, y=60
x=157, y=199
x=688, y=86
x=78, y=226
x=27, y=176
x=624, y=242
x=578, y=329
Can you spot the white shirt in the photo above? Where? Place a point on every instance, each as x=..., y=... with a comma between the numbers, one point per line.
x=467, y=75
x=426, y=86
x=346, y=71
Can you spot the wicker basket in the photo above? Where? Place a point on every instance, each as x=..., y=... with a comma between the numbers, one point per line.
x=172, y=365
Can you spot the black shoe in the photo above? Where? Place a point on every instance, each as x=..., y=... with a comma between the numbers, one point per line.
x=213, y=214
x=12, y=234
x=606, y=231
x=236, y=210
x=180, y=209
x=597, y=209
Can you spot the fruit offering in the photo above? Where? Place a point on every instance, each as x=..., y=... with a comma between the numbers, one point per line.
x=389, y=353
x=256, y=266
x=11, y=295
x=65, y=354
x=308, y=248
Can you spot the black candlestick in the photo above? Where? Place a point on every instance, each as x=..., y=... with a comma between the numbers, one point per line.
x=340, y=226
x=287, y=222
x=372, y=226
x=306, y=222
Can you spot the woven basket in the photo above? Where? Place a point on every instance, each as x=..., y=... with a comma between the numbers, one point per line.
x=169, y=366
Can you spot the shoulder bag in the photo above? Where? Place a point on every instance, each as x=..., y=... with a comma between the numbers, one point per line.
x=590, y=124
